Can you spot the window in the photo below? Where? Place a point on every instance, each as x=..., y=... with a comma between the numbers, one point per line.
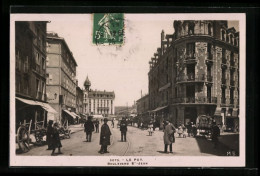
x=26, y=86
x=209, y=29
x=227, y=38
x=18, y=60
x=190, y=49
x=37, y=88
x=26, y=64
x=43, y=65
x=18, y=83
x=223, y=35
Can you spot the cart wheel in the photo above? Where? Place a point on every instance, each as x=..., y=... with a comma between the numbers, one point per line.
x=23, y=139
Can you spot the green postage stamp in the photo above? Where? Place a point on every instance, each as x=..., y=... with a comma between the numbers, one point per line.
x=108, y=28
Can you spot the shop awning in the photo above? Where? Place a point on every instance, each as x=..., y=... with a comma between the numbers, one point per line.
x=45, y=106
x=75, y=114
x=70, y=113
x=159, y=108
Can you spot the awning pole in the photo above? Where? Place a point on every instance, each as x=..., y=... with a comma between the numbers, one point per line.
x=35, y=118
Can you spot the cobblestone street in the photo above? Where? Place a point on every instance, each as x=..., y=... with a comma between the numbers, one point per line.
x=139, y=143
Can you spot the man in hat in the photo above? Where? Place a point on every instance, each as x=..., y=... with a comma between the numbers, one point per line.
x=104, y=137
x=89, y=128
x=123, y=129
x=49, y=134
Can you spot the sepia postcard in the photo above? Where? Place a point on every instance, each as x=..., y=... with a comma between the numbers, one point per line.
x=128, y=90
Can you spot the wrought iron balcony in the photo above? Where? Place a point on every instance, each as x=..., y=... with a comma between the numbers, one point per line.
x=190, y=58
x=193, y=78
x=195, y=100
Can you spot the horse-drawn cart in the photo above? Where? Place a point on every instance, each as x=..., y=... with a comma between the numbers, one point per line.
x=204, y=125
x=26, y=135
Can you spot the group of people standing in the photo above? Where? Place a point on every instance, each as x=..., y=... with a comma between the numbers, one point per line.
x=53, y=138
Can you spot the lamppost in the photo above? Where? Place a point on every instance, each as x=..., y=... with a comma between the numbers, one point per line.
x=55, y=96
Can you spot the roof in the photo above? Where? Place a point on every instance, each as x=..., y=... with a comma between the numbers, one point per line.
x=53, y=35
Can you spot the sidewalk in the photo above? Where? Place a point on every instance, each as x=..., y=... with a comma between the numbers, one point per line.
x=76, y=128
x=230, y=139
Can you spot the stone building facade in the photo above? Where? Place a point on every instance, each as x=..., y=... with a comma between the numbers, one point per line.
x=97, y=102
x=30, y=73
x=196, y=72
x=101, y=103
x=61, y=78
x=143, y=105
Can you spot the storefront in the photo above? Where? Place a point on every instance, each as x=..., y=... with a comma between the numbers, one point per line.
x=34, y=112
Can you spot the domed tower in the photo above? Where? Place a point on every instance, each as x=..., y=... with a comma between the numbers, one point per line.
x=87, y=84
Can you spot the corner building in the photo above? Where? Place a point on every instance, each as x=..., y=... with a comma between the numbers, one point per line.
x=61, y=78
x=196, y=72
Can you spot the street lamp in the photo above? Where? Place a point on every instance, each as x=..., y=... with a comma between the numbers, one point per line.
x=55, y=96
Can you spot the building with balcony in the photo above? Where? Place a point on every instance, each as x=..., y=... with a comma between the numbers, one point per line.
x=196, y=72
x=61, y=78
x=30, y=73
x=98, y=102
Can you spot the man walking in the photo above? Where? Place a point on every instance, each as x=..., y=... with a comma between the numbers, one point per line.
x=104, y=137
x=123, y=129
x=168, y=136
x=89, y=128
x=97, y=126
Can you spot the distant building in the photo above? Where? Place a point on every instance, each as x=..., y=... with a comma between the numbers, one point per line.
x=101, y=102
x=61, y=78
x=143, y=106
x=30, y=73
x=79, y=101
x=196, y=72
x=98, y=102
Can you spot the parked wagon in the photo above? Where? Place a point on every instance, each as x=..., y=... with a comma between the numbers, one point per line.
x=204, y=125
x=25, y=133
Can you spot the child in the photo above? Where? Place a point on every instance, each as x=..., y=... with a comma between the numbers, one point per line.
x=180, y=130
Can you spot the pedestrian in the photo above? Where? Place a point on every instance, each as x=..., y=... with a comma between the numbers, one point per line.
x=215, y=134
x=49, y=132
x=150, y=128
x=123, y=129
x=180, y=130
x=189, y=128
x=194, y=130
x=104, y=137
x=97, y=125
x=112, y=123
x=55, y=140
x=89, y=128
x=168, y=136
x=101, y=121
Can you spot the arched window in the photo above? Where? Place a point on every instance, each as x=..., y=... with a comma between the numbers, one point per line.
x=223, y=35
x=227, y=38
x=209, y=29
x=235, y=42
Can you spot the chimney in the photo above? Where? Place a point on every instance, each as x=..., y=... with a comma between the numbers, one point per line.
x=141, y=94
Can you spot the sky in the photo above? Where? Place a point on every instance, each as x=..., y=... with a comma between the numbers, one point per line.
x=124, y=69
